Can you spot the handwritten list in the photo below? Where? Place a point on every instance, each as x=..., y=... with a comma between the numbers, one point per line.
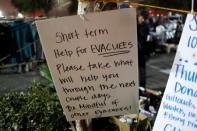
x=93, y=62
x=178, y=109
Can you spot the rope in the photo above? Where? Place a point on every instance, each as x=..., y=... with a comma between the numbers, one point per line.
x=146, y=5
x=163, y=8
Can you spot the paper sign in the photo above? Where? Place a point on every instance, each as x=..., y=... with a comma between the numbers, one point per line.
x=93, y=62
x=178, y=109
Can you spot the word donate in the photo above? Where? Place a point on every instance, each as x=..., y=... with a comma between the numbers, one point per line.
x=93, y=62
x=178, y=109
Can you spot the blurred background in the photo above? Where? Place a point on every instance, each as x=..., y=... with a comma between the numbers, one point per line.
x=21, y=51
x=23, y=67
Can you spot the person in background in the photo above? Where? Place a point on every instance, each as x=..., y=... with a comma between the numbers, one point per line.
x=142, y=33
x=178, y=32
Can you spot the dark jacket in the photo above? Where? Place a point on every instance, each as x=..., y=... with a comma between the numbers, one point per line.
x=142, y=33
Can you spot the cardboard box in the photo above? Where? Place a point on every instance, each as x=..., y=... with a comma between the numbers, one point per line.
x=124, y=126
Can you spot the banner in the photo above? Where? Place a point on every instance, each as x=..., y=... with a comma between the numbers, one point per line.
x=178, y=109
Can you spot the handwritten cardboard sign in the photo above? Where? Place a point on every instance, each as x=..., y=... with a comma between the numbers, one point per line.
x=178, y=109
x=93, y=62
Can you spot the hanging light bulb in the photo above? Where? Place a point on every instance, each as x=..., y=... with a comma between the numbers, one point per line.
x=20, y=15
x=1, y=14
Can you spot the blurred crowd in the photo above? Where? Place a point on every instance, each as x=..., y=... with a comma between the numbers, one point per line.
x=161, y=31
x=156, y=34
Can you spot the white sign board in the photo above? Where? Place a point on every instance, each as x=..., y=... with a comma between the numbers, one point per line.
x=178, y=109
x=93, y=62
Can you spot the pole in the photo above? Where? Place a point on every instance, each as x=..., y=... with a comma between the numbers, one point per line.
x=84, y=7
x=192, y=6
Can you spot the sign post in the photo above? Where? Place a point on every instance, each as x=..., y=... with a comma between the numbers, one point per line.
x=192, y=6
x=93, y=62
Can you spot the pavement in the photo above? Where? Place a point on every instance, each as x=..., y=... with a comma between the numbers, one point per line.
x=11, y=80
x=158, y=69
